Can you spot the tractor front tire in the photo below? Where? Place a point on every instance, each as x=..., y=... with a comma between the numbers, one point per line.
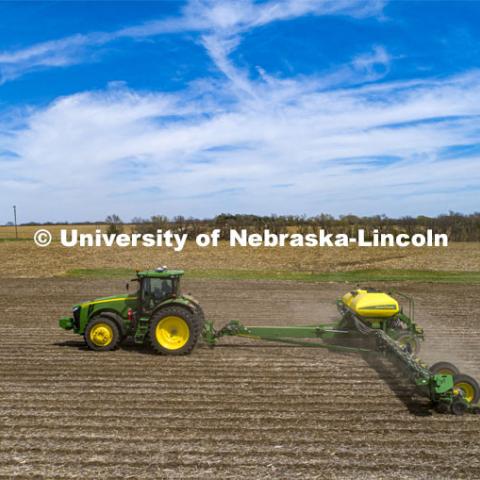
x=174, y=331
x=102, y=334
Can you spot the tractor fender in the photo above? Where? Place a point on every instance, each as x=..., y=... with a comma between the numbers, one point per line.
x=176, y=303
x=191, y=299
x=115, y=317
x=195, y=303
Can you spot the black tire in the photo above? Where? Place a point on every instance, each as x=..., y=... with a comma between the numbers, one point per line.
x=443, y=408
x=459, y=407
x=191, y=322
x=410, y=342
x=445, y=368
x=107, y=329
x=468, y=386
x=201, y=320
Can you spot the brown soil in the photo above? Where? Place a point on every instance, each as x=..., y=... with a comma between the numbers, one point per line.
x=241, y=410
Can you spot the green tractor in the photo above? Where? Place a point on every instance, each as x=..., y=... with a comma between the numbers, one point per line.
x=157, y=313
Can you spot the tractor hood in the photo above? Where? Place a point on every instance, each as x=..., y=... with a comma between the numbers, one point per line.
x=113, y=298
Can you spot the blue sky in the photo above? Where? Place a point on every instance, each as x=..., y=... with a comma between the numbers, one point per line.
x=203, y=107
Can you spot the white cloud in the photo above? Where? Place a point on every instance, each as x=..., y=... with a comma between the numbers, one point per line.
x=292, y=149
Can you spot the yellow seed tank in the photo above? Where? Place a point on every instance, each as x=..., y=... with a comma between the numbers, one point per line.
x=370, y=304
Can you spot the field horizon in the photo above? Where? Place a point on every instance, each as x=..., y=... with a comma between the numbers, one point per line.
x=457, y=263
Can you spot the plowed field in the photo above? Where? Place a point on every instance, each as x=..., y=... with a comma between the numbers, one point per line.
x=241, y=410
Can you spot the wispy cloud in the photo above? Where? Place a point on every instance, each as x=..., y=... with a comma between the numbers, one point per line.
x=55, y=53
x=221, y=22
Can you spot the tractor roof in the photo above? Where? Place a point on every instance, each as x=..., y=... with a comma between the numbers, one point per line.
x=162, y=272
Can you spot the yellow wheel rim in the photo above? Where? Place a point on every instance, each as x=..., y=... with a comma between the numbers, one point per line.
x=403, y=342
x=101, y=334
x=445, y=371
x=172, y=332
x=467, y=389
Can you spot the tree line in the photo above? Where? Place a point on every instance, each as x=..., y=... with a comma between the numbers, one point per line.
x=459, y=227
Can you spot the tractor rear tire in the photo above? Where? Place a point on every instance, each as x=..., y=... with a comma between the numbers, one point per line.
x=102, y=334
x=174, y=330
x=444, y=368
x=201, y=321
x=468, y=386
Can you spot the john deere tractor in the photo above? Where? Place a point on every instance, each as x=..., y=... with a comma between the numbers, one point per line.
x=157, y=313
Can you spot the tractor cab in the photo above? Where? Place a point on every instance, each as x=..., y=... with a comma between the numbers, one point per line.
x=156, y=286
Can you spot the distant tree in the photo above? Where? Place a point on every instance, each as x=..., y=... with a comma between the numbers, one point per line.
x=156, y=222
x=115, y=224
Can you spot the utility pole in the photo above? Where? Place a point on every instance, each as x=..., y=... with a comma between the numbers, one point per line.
x=15, y=219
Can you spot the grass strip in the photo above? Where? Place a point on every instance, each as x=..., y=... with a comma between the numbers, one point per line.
x=350, y=276
x=20, y=239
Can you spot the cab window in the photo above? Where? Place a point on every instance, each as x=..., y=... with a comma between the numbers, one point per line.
x=160, y=288
x=155, y=290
